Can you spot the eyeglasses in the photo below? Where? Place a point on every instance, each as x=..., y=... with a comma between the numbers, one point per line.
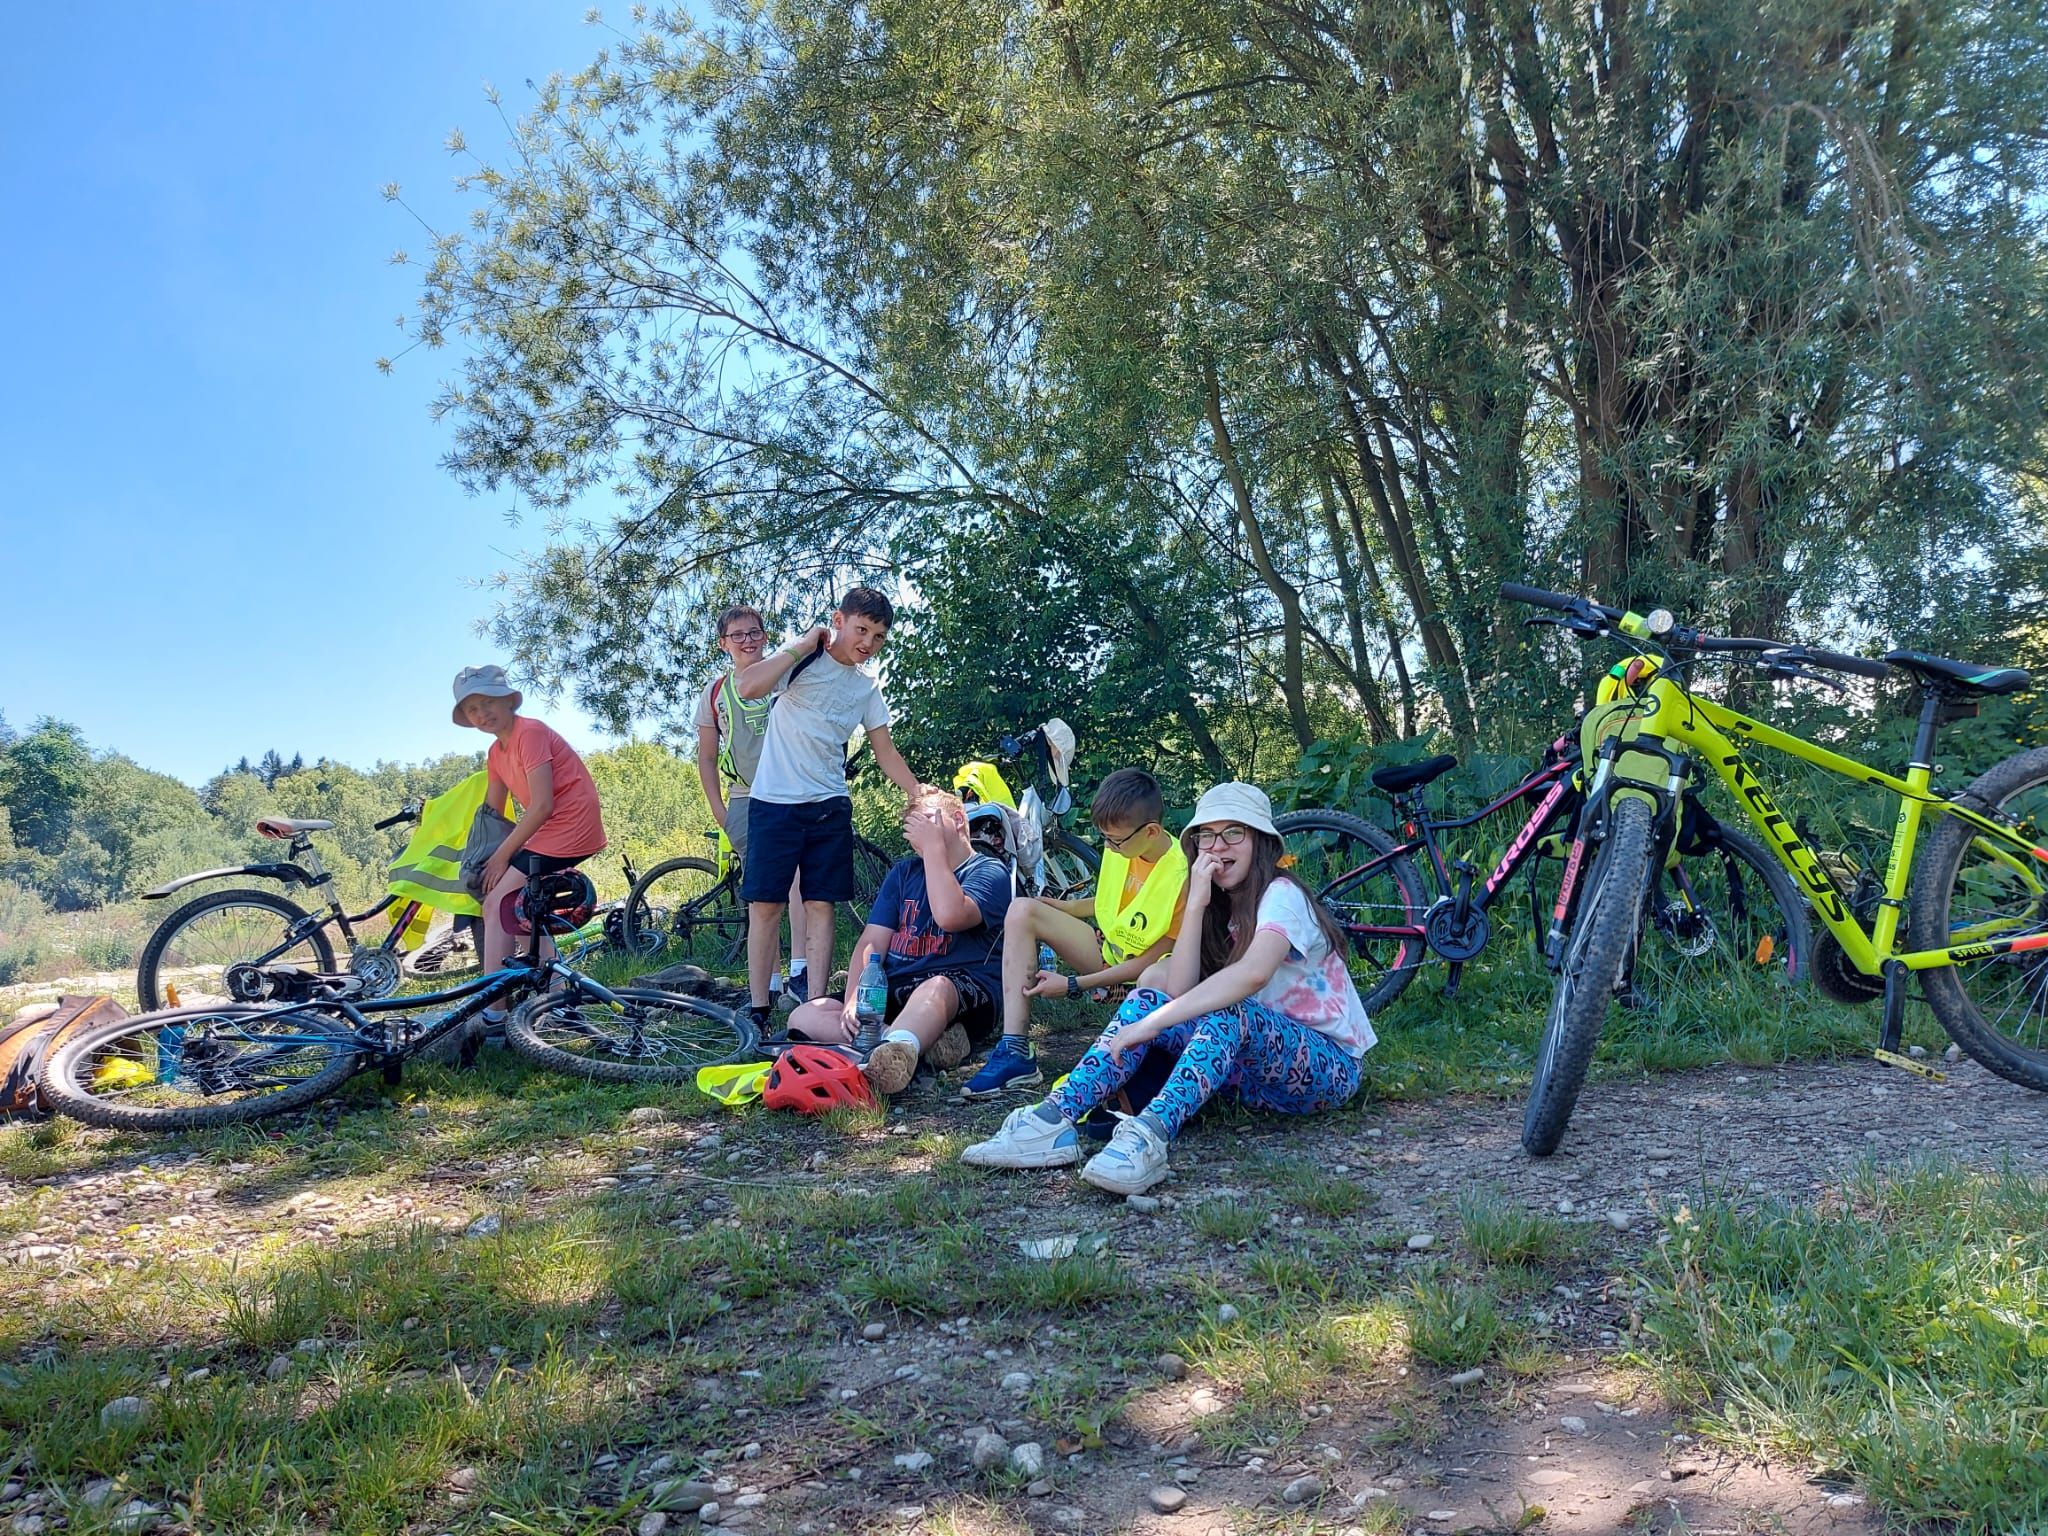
x=1221, y=837
x=744, y=634
x=1121, y=843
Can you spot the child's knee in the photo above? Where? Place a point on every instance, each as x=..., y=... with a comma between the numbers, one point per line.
x=1138, y=1004
x=1021, y=915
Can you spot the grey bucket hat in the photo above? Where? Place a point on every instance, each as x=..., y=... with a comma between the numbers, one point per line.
x=489, y=682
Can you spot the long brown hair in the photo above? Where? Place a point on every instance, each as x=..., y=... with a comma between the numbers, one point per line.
x=1228, y=925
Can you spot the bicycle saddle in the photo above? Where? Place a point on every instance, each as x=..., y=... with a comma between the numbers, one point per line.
x=301, y=826
x=1939, y=669
x=1409, y=775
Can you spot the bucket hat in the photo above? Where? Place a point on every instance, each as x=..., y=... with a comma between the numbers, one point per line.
x=489, y=682
x=1246, y=804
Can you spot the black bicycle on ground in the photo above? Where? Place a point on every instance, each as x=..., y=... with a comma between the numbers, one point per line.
x=227, y=1063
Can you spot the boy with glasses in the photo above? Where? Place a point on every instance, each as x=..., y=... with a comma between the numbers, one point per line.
x=1140, y=892
x=730, y=731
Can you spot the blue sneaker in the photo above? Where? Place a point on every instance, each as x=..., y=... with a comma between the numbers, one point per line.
x=796, y=986
x=1012, y=1064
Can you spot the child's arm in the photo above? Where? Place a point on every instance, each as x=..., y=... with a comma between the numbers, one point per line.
x=890, y=761
x=952, y=908
x=1229, y=986
x=1129, y=970
x=707, y=771
x=759, y=680
x=1184, y=970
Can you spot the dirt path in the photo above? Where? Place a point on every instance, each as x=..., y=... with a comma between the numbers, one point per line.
x=1586, y=1438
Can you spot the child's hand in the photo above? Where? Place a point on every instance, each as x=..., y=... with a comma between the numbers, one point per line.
x=1046, y=984
x=1201, y=880
x=922, y=831
x=1130, y=1036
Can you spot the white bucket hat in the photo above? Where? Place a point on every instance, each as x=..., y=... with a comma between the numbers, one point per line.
x=487, y=681
x=1246, y=804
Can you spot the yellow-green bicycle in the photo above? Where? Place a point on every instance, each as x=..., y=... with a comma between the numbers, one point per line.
x=1967, y=912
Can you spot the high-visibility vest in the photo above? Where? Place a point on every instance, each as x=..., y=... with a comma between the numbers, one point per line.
x=725, y=700
x=1133, y=929
x=430, y=868
x=984, y=782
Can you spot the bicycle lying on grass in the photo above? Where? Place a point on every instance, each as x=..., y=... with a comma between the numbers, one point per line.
x=223, y=1064
x=1967, y=913
x=1719, y=905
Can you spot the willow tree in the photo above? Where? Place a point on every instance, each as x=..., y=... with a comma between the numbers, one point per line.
x=1281, y=332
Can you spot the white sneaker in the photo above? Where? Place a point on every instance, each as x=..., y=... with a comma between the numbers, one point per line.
x=1132, y=1163
x=1026, y=1141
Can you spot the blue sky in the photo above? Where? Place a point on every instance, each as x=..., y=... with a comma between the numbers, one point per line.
x=221, y=529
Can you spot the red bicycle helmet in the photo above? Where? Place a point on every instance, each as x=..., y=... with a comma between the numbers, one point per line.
x=564, y=901
x=811, y=1079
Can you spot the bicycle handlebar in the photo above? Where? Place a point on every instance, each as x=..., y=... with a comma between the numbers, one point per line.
x=405, y=813
x=1680, y=638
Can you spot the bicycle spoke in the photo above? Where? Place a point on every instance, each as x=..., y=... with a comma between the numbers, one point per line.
x=213, y=1058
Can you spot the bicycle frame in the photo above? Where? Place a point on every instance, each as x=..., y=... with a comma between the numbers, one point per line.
x=1669, y=713
x=528, y=973
x=1555, y=794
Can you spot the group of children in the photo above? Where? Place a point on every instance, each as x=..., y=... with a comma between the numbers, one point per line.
x=1236, y=978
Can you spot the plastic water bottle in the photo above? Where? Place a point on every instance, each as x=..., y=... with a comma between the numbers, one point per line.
x=1048, y=962
x=870, y=1002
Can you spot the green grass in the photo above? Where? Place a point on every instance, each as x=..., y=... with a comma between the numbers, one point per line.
x=1902, y=1340
x=1229, y=1221
x=1454, y=1324
x=1499, y=1233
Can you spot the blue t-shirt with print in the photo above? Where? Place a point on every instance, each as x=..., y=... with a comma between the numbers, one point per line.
x=919, y=947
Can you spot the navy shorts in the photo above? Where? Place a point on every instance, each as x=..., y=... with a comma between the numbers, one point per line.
x=977, y=1013
x=815, y=837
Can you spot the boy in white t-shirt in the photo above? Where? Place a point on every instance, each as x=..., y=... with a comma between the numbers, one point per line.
x=1256, y=1004
x=800, y=816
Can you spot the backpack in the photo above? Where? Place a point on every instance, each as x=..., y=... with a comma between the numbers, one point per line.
x=26, y=1043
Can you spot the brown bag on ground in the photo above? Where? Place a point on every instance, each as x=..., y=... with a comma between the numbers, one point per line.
x=27, y=1040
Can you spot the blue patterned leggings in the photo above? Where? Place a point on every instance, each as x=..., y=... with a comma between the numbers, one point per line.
x=1247, y=1052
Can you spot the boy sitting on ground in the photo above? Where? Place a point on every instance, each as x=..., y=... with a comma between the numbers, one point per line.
x=1139, y=894
x=800, y=815
x=938, y=925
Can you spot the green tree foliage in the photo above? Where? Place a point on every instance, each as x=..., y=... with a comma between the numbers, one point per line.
x=127, y=829
x=1282, y=332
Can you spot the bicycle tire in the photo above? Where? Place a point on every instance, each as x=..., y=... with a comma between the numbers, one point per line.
x=682, y=910
x=149, y=969
x=537, y=1025
x=79, y=1078
x=1717, y=923
x=1063, y=884
x=1608, y=918
x=1325, y=846
x=1950, y=893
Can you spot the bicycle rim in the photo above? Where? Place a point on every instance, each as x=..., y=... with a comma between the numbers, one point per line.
x=1724, y=917
x=645, y=1036
x=196, y=1067
x=1350, y=866
x=1976, y=889
x=682, y=912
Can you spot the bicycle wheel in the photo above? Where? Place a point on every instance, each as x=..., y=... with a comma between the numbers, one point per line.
x=870, y=868
x=189, y=1068
x=1971, y=889
x=1070, y=866
x=1727, y=910
x=197, y=946
x=681, y=911
x=1609, y=912
x=452, y=954
x=1371, y=889
x=646, y=1037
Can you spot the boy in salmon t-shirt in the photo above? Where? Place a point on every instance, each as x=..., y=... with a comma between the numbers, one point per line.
x=559, y=823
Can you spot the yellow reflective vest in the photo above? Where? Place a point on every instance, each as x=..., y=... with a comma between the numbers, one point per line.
x=430, y=868
x=1133, y=929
